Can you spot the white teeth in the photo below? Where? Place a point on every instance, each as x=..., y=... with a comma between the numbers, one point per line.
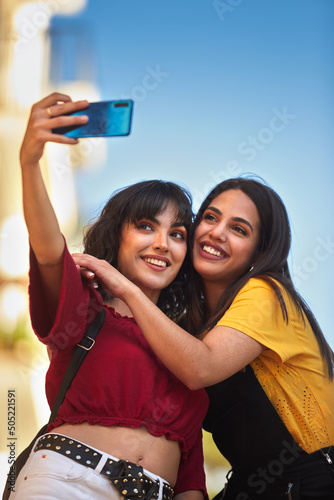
x=212, y=251
x=156, y=262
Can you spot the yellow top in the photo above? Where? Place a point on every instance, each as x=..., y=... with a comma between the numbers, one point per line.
x=291, y=370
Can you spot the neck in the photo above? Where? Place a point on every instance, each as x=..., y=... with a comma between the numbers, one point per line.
x=153, y=295
x=120, y=307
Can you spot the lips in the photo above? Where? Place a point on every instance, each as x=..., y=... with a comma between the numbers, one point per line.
x=208, y=250
x=157, y=261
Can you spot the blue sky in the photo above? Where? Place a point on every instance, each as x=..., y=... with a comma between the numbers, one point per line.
x=222, y=88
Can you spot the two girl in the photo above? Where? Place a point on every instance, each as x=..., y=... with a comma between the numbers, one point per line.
x=265, y=363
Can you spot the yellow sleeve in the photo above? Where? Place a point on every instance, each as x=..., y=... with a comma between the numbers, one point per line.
x=257, y=313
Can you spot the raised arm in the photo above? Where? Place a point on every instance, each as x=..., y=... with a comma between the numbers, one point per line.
x=223, y=352
x=44, y=233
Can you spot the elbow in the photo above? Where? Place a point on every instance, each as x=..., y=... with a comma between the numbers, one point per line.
x=48, y=261
x=195, y=386
x=195, y=381
x=49, y=257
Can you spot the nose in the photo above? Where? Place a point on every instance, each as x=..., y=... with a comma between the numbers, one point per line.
x=161, y=241
x=218, y=232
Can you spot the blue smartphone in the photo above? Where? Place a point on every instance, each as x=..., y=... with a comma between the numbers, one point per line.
x=106, y=119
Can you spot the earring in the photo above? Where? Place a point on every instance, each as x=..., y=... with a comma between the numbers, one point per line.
x=251, y=269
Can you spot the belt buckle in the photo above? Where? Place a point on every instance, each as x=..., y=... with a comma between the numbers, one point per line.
x=131, y=481
x=153, y=492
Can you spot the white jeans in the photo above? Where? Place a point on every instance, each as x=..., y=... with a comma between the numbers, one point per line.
x=47, y=475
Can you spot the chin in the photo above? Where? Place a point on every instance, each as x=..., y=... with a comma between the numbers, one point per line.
x=153, y=286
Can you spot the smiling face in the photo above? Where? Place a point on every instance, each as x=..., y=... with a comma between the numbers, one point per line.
x=152, y=251
x=226, y=239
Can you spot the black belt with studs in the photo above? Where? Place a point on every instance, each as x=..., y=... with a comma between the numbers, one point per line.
x=128, y=478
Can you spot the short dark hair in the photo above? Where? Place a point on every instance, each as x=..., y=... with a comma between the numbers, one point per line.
x=144, y=199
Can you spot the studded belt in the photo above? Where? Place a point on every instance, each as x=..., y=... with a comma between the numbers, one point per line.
x=128, y=478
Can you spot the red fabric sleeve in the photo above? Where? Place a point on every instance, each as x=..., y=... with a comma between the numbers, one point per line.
x=77, y=307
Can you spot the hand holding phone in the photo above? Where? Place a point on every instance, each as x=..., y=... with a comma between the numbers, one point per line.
x=106, y=119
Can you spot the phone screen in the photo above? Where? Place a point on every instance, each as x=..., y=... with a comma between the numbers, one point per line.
x=106, y=119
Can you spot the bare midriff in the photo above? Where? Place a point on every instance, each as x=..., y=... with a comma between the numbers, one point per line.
x=156, y=454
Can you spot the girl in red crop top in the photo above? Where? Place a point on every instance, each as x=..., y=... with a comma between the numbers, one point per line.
x=127, y=426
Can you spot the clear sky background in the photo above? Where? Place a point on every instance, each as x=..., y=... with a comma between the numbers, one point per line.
x=221, y=88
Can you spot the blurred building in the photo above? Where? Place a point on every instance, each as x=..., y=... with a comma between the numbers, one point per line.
x=38, y=56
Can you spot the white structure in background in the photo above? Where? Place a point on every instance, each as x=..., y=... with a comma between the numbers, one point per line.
x=25, y=65
x=25, y=49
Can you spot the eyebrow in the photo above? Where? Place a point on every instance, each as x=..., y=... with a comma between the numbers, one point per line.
x=236, y=219
x=175, y=224
x=178, y=224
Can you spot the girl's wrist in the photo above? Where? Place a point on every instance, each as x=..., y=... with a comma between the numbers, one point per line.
x=131, y=294
x=29, y=165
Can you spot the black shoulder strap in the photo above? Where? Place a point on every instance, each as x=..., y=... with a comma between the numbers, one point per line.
x=81, y=351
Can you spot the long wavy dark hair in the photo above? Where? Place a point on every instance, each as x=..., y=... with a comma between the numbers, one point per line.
x=271, y=264
x=144, y=199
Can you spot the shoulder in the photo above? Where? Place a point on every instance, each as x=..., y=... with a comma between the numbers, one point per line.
x=258, y=287
x=262, y=291
x=269, y=296
x=255, y=310
x=256, y=299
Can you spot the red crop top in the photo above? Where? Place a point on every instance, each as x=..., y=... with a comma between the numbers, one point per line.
x=121, y=382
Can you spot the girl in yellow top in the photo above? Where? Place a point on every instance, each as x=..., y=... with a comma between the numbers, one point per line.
x=265, y=363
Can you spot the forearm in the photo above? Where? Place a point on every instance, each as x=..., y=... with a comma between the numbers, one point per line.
x=44, y=233
x=45, y=237
x=222, y=353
